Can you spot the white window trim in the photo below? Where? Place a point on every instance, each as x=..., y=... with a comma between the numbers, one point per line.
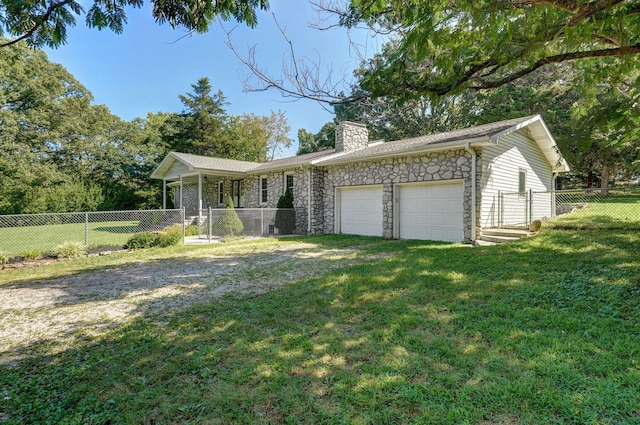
x=264, y=179
x=220, y=192
x=522, y=171
x=284, y=185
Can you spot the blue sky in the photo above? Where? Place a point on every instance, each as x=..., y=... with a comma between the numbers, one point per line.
x=148, y=66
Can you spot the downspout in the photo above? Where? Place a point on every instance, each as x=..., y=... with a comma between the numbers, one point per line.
x=553, y=193
x=472, y=151
x=309, y=201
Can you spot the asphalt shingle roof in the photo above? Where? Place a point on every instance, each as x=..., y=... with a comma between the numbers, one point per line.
x=292, y=161
x=330, y=156
x=416, y=143
x=211, y=163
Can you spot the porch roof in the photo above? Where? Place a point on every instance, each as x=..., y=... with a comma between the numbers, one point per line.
x=193, y=164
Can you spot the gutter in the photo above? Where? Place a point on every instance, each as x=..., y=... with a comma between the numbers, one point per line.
x=436, y=147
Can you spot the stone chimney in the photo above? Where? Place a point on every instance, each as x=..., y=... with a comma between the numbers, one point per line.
x=351, y=136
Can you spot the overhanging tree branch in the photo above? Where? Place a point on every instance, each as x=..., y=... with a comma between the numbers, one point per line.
x=39, y=22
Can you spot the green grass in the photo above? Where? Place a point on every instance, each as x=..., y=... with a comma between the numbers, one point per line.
x=622, y=212
x=17, y=240
x=546, y=330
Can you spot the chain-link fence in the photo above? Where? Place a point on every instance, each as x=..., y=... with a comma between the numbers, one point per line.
x=44, y=232
x=215, y=223
x=614, y=208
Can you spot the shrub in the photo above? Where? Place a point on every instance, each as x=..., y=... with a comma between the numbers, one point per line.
x=285, y=220
x=170, y=238
x=4, y=257
x=191, y=230
x=70, y=249
x=229, y=223
x=141, y=240
x=31, y=254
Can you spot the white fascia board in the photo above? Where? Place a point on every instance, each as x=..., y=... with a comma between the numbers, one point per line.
x=436, y=147
x=496, y=137
x=547, y=144
x=292, y=167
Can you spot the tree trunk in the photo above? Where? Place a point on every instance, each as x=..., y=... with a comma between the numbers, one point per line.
x=604, y=181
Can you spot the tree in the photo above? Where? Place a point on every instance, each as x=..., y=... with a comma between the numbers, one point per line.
x=285, y=220
x=323, y=140
x=58, y=152
x=258, y=138
x=199, y=129
x=45, y=22
x=229, y=224
x=445, y=47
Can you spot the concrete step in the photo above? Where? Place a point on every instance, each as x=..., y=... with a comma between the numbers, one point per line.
x=504, y=235
x=516, y=233
x=498, y=239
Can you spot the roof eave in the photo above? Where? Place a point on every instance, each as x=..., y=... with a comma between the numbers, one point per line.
x=164, y=166
x=436, y=147
x=547, y=144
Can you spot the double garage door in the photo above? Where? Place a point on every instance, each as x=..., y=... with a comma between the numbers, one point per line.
x=429, y=211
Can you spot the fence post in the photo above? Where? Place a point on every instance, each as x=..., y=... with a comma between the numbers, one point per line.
x=209, y=224
x=86, y=230
x=184, y=217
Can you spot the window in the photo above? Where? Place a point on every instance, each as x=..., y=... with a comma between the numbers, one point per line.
x=522, y=181
x=220, y=193
x=288, y=182
x=264, y=192
x=237, y=193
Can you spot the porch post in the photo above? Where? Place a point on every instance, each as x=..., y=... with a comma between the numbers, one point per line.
x=181, y=205
x=200, y=195
x=164, y=194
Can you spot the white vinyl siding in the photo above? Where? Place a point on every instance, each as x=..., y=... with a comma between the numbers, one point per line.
x=359, y=210
x=501, y=167
x=177, y=168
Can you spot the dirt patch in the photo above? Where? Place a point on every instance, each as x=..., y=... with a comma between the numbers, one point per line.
x=51, y=314
x=20, y=262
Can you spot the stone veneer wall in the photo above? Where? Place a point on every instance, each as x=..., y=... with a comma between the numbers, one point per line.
x=275, y=188
x=424, y=168
x=209, y=194
x=429, y=167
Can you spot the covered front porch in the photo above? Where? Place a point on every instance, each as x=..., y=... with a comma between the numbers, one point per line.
x=199, y=183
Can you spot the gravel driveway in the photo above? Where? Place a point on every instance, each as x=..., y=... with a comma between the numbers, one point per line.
x=52, y=314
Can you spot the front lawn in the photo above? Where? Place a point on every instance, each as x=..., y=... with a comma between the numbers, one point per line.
x=546, y=330
x=45, y=238
x=616, y=212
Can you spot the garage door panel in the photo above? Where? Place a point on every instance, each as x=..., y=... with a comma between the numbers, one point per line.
x=361, y=210
x=431, y=212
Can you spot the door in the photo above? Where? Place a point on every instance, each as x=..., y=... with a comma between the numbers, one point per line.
x=359, y=210
x=430, y=211
x=237, y=193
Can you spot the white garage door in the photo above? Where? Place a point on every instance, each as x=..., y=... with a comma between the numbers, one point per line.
x=360, y=210
x=431, y=211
